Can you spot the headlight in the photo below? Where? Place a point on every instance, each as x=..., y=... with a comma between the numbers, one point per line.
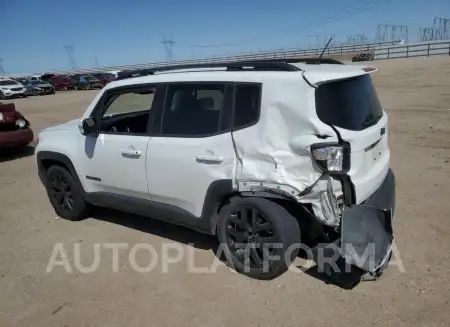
x=21, y=123
x=332, y=157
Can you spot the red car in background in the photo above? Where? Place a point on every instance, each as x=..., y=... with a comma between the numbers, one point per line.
x=105, y=78
x=61, y=83
x=15, y=130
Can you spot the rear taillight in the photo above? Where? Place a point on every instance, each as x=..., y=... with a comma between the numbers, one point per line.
x=369, y=69
x=332, y=158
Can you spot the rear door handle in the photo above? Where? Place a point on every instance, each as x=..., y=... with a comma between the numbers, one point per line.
x=131, y=153
x=209, y=158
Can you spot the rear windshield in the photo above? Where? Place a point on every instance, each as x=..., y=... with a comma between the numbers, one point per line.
x=351, y=104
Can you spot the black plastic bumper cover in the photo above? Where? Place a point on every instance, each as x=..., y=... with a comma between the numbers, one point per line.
x=366, y=230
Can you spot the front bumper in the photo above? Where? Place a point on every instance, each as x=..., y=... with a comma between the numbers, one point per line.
x=366, y=229
x=12, y=94
x=20, y=137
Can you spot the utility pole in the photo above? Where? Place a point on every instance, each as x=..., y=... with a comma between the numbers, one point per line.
x=168, y=44
x=69, y=51
x=2, y=70
x=314, y=36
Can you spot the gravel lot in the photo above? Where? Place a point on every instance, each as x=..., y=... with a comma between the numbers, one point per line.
x=416, y=94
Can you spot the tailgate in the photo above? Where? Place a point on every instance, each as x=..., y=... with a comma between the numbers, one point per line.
x=352, y=106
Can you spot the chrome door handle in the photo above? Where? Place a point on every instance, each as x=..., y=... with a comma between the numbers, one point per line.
x=209, y=158
x=131, y=153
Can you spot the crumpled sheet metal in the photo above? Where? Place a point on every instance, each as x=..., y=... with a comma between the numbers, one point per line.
x=276, y=150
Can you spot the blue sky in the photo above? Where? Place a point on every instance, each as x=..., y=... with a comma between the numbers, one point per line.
x=127, y=32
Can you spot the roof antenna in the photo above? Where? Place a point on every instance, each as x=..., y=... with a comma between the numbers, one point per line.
x=324, y=49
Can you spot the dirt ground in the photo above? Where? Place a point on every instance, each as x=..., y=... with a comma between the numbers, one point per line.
x=416, y=95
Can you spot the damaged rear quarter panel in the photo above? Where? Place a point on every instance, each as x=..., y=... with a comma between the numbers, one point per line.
x=275, y=153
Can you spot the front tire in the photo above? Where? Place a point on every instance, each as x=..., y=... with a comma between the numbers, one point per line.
x=64, y=194
x=259, y=237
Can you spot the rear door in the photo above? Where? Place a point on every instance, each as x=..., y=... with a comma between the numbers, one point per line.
x=352, y=106
x=191, y=147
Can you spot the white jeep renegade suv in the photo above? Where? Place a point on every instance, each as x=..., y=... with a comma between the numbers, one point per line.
x=258, y=154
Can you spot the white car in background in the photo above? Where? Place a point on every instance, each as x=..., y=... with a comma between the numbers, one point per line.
x=10, y=88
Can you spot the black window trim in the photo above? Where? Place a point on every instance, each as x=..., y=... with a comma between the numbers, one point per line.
x=156, y=131
x=227, y=85
x=256, y=121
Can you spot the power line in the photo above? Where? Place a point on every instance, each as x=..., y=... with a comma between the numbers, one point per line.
x=168, y=45
x=361, y=7
x=69, y=51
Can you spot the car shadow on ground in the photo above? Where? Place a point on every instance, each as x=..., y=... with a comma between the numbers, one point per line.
x=159, y=228
x=346, y=280
x=9, y=154
x=331, y=269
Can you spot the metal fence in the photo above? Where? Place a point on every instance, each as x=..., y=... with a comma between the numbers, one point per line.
x=413, y=50
x=385, y=50
x=284, y=54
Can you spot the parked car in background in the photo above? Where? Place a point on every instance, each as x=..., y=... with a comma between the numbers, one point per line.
x=30, y=88
x=85, y=82
x=48, y=77
x=10, y=88
x=35, y=78
x=42, y=88
x=105, y=78
x=62, y=83
x=14, y=128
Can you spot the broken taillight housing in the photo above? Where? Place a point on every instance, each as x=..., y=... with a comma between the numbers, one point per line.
x=333, y=158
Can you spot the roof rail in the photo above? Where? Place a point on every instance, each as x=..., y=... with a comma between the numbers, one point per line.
x=308, y=61
x=257, y=65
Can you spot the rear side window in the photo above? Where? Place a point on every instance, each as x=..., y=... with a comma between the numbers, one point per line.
x=352, y=104
x=246, y=104
x=193, y=109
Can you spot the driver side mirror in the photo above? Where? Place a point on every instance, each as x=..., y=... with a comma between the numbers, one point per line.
x=89, y=126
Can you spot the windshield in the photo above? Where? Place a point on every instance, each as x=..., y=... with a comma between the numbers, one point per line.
x=351, y=104
x=8, y=82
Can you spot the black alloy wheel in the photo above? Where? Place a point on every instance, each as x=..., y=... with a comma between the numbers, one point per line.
x=64, y=194
x=258, y=236
x=250, y=235
x=61, y=192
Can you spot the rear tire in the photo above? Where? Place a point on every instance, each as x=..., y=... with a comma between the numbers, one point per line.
x=64, y=194
x=246, y=229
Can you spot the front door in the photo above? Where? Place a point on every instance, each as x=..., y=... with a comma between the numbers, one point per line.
x=115, y=160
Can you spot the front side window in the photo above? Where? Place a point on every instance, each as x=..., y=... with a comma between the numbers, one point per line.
x=193, y=109
x=127, y=111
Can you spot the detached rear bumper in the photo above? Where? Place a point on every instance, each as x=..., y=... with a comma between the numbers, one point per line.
x=366, y=230
x=21, y=137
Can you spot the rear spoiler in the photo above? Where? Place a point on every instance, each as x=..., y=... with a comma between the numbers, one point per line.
x=315, y=78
